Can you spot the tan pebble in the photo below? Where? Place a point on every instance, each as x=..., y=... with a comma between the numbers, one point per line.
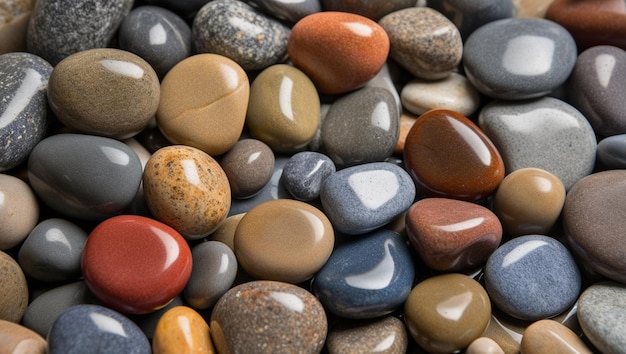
x=531, y=8
x=506, y=331
x=225, y=233
x=549, y=336
x=407, y=119
x=382, y=335
x=203, y=104
x=17, y=339
x=484, y=345
x=186, y=189
x=182, y=330
x=19, y=211
x=13, y=289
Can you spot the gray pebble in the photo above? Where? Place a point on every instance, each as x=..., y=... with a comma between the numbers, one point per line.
x=305, y=173
x=249, y=165
x=602, y=314
x=213, y=273
x=612, y=152
x=289, y=11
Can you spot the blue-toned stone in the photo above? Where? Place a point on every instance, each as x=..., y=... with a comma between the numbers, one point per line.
x=52, y=251
x=305, y=173
x=367, y=277
x=23, y=107
x=362, y=198
x=470, y=15
x=84, y=176
x=58, y=28
x=611, y=152
x=288, y=10
x=601, y=313
x=545, y=133
x=532, y=277
x=157, y=35
x=519, y=58
x=235, y=30
x=95, y=329
x=361, y=127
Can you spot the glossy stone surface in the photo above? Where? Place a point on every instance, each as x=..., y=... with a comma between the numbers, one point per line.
x=362, y=198
x=203, y=103
x=292, y=319
x=452, y=235
x=611, y=152
x=14, y=18
x=290, y=11
x=470, y=15
x=529, y=201
x=593, y=219
x=186, y=189
x=284, y=240
x=13, y=289
x=135, y=264
x=484, y=345
x=532, y=277
x=182, y=330
x=601, y=312
x=284, y=108
x=550, y=336
x=249, y=165
x=19, y=211
x=449, y=156
x=236, y=30
x=305, y=173
x=445, y=313
x=19, y=339
x=338, y=51
x=423, y=41
x=545, y=133
x=369, y=8
x=98, y=328
x=367, y=277
x=23, y=109
x=84, y=176
x=384, y=335
x=519, y=58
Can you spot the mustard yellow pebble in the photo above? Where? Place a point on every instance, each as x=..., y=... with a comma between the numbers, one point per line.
x=181, y=330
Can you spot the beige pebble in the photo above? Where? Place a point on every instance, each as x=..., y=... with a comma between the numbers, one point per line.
x=19, y=211
x=17, y=339
x=484, y=345
x=225, y=233
x=454, y=92
x=549, y=336
x=182, y=330
x=13, y=289
x=382, y=335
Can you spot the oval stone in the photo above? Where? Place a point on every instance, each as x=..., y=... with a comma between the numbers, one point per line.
x=611, y=152
x=19, y=211
x=339, y=51
x=549, y=336
x=305, y=173
x=19, y=339
x=384, y=335
x=449, y=156
x=13, y=289
x=284, y=240
x=186, y=189
x=83, y=176
x=249, y=165
x=292, y=319
x=203, y=103
x=135, y=264
x=601, y=313
x=182, y=329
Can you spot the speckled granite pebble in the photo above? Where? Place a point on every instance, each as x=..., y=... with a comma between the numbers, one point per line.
x=14, y=18
x=19, y=211
x=13, y=289
x=549, y=336
x=181, y=329
x=611, y=152
x=290, y=11
x=470, y=15
x=17, y=339
x=385, y=335
x=305, y=173
x=213, y=272
x=601, y=313
x=249, y=165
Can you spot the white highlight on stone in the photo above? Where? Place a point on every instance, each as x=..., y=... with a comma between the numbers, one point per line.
x=157, y=34
x=360, y=29
x=231, y=78
x=191, y=172
x=247, y=27
x=116, y=156
x=473, y=141
x=541, y=119
x=462, y=225
x=453, y=308
x=290, y=301
x=378, y=277
x=2, y=199
x=604, y=65
x=374, y=188
x=56, y=235
x=380, y=116
x=223, y=268
x=185, y=327
x=32, y=83
x=253, y=156
x=123, y=68
x=107, y=324
x=318, y=165
x=385, y=344
x=284, y=97
x=528, y=55
x=172, y=251
x=315, y=223
x=521, y=251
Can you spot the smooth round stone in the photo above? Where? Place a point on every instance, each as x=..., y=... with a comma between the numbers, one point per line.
x=135, y=264
x=291, y=318
x=24, y=108
x=545, y=133
x=367, y=277
x=58, y=29
x=182, y=330
x=470, y=15
x=290, y=11
x=13, y=289
x=362, y=198
x=594, y=87
x=19, y=339
x=249, y=165
x=386, y=335
x=84, y=176
x=157, y=35
x=284, y=108
x=52, y=251
x=452, y=235
x=236, y=30
x=519, y=58
x=203, y=103
x=284, y=240
x=532, y=277
x=369, y=8
x=338, y=51
x=593, y=220
x=423, y=41
x=361, y=127
x=601, y=313
x=19, y=211
x=449, y=156
x=611, y=152
x=305, y=173
x=14, y=18
x=549, y=336
x=212, y=274
x=484, y=345
x=95, y=328
x=445, y=313
x=529, y=201
x=186, y=189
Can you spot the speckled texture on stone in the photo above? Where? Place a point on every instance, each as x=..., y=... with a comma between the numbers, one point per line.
x=601, y=313
x=470, y=15
x=13, y=289
x=290, y=11
x=305, y=173
x=611, y=152
x=249, y=165
x=384, y=335
x=373, y=9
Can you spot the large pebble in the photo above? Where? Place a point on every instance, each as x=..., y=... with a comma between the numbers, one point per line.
x=549, y=336
x=19, y=211
x=203, y=103
x=601, y=313
x=13, y=289
x=290, y=11
x=23, y=109
x=249, y=165
x=14, y=18
x=182, y=330
x=362, y=198
x=268, y=316
x=611, y=152
x=305, y=173
x=471, y=15
x=381, y=335
x=18, y=339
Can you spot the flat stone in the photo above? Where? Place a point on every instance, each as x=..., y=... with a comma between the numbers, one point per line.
x=305, y=173
x=484, y=345
x=601, y=313
x=545, y=133
x=19, y=211
x=19, y=339
x=13, y=289
x=14, y=18
x=249, y=165
x=182, y=329
x=611, y=152
x=387, y=335
x=470, y=15
x=550, y=336
x=290, y=11
x=213, y=272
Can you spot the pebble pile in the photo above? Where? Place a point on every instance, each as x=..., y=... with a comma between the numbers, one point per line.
x=312, y=176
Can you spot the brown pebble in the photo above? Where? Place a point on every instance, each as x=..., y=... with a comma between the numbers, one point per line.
x=13, y=289
x=17, y=339
x=225, y=233
x=249, y=165
x=19, y=211
x=549, y=336
x=14, y=17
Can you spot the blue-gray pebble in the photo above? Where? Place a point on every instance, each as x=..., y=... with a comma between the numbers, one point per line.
x=366, y=277
x=362, y=198
x=23, y=107
x=305, y=173
x=470, y=15
x=288, y=10
x=213, y=273
x=602, y=314
x=612, y=152
x=519, y=58
x=532, y=277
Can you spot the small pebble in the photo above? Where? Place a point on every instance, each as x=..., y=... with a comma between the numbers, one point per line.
x=19, y=211
x=18, y=339
x=471, y=15
x=13, y=289
x=382, y=335
x=484, y=345
x=305, y=173
x=601, y=313
x=611, y=153
x=385, y=80
x=549, y=336
x=369, y=8
x=182, y=330
x=249, y=165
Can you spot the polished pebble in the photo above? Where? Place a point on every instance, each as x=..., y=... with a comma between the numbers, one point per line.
x=601, y=313
x=203, y=103
x=531, y=8
x=484, y=345
x=445, y=313
x=366, y=278
x=19, y=211
x=449, y=156
x=268, y=316
x=369, y=8
x=284, y=240
x=18, y=339
x=611, y=152
x=249, y=165
x=549, y=336
x=134, y=264
x=381, y=335
x=14, y=18
x=187, y=189
x=182, y=330
x=305, y=173
x=13, y=289
x=470, y=15
x=290, y=11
